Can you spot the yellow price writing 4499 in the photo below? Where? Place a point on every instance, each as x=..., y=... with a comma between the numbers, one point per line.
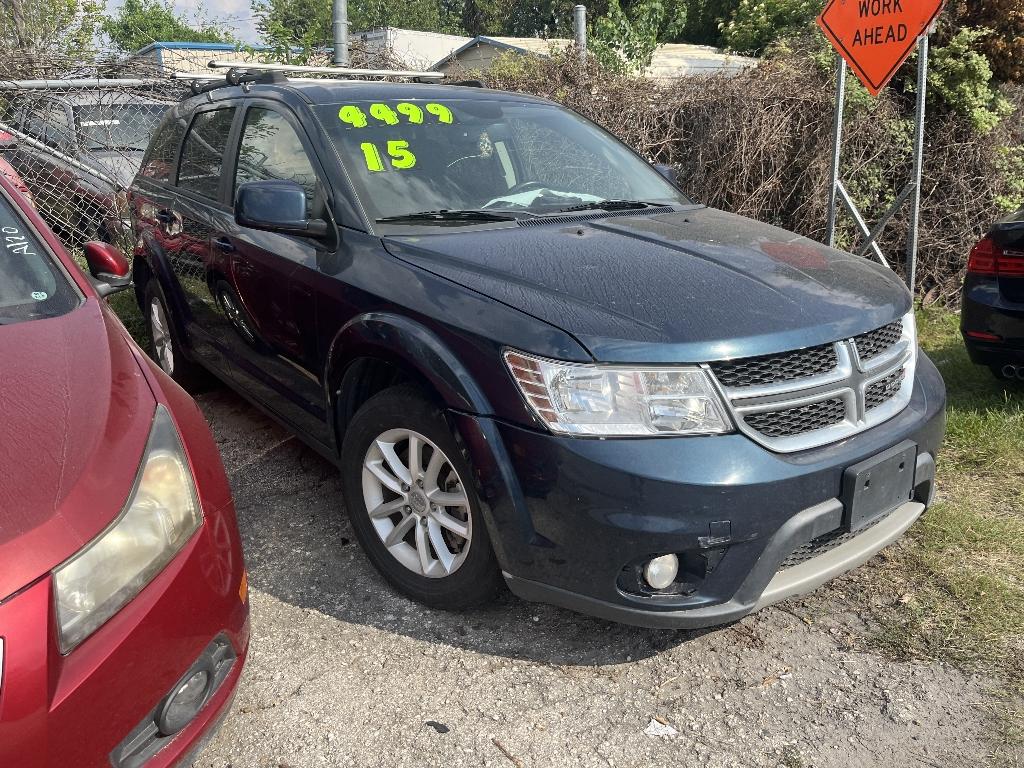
x=398, y=153
x=353, y=115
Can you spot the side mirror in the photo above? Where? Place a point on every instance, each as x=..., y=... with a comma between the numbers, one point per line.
x=276, y=206
x=108, y=266
x=667, y=172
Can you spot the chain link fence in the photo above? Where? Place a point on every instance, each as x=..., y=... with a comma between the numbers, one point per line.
x=73, y=133
x=77, y=148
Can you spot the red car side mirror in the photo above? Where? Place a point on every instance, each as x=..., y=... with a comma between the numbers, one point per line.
x=108, y=266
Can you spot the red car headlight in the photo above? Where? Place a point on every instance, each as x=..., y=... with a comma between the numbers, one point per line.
x=161, y=514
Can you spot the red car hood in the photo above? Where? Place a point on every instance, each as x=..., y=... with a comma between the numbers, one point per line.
x=75, y=412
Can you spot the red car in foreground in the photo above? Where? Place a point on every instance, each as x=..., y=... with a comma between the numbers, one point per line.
x=123, y=595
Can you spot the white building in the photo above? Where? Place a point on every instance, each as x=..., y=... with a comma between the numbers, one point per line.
x=414, y=49
x=670, y=60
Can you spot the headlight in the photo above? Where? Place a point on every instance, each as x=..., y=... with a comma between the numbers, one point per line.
x=615, y=401
x=161, y=514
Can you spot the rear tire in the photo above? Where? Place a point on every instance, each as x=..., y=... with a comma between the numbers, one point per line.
x=418, y=519
x=165, y=344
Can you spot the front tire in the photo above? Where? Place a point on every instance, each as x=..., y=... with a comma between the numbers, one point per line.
x=410, y=496
x=165, y=346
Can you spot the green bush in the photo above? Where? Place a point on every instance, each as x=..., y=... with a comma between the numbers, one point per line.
x=757, y=24
x=961, y=77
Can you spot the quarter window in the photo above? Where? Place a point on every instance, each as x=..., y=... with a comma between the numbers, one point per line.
x=203, y=153
x=158, y=163
x=271, y=150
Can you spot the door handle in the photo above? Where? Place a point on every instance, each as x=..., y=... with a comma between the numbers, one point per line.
x=224, y=244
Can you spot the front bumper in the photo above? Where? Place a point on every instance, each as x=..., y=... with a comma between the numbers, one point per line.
x=569, y=516
x=77, y=710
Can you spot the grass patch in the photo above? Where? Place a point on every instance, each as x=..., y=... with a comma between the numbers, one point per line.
x=124, y=304
x=958, y=588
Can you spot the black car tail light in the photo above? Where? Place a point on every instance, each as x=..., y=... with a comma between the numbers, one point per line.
x=989, y=258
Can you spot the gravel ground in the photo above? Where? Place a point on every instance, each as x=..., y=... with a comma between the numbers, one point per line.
x=344, y=672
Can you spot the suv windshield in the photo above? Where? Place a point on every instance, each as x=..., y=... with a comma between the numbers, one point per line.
x=461, y=155
x=32, y=286
x=117, y=126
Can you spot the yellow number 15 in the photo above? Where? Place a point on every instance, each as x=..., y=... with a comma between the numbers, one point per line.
x=398, y=152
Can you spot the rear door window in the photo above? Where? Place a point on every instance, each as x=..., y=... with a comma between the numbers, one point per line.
x=32, y=285
x=202, y=156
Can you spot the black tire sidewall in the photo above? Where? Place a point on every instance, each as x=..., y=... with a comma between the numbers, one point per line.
x=477, y=579
x=186, y=373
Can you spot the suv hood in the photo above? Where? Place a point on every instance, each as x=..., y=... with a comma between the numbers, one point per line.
x=689, y=286
x=75, y=413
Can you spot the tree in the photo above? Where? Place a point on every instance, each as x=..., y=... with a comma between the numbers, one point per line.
x=286, y=25
x=705, y=19
x=756, y=24
x=141, y=22
x=626, y=36
x=295, y=28
x=37, y=36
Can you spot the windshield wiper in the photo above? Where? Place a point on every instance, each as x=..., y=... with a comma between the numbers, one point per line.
x=446, y=215
x=612, y=205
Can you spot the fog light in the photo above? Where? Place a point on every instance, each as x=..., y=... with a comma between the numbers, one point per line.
x=660, y=572
x=184, y=702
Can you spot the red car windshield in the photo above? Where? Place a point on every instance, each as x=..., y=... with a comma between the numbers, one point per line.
x=32, y=285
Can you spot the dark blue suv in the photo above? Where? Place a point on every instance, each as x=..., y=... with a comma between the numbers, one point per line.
x=533, y=359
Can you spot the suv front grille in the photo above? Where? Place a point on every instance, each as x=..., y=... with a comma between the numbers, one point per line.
x=797, y=400
x=873, y=343
x=769, y=369
x=796, y=421
x=884, y=390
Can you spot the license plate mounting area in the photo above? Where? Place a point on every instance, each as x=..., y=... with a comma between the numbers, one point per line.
x=878, y=485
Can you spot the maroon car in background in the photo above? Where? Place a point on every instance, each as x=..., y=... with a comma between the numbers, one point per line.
x=86, y=147
x=123, y=593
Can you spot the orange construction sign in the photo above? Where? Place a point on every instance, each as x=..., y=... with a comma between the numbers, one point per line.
x=876, y=36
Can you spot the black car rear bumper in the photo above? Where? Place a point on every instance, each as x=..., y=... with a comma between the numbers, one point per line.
x=570, y=517
x=987, y=313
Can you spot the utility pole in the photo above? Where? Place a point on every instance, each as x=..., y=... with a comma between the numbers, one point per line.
x=339, y=25
x=579, y=16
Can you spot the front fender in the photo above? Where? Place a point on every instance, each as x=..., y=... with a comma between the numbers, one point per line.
x=410, y=346
x=153, y=254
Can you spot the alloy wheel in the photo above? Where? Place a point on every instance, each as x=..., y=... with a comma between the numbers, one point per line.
x=417, y=503
x=161, y=332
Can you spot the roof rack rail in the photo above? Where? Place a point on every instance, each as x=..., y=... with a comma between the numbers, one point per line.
x=344, y=71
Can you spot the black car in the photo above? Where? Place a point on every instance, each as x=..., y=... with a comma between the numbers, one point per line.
x=992, y=317
x=533, y=359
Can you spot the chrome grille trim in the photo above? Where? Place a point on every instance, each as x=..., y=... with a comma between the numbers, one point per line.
x=867, y=388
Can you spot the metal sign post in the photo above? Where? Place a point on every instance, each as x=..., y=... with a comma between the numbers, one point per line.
x=912, y=190
x=875, y=37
